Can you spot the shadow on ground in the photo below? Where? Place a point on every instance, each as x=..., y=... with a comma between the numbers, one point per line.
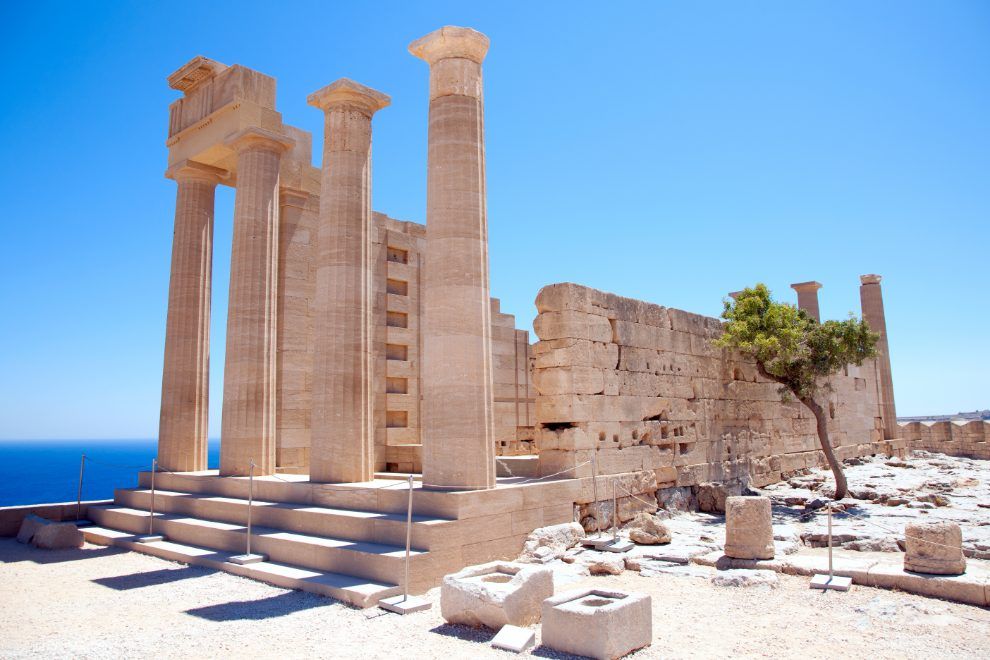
x=262, y=608
x=11, y=552
x=152, y=578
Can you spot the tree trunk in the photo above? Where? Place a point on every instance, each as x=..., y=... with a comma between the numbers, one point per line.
x=840, y=478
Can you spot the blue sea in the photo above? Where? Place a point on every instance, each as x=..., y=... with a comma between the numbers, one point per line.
x=41, y=471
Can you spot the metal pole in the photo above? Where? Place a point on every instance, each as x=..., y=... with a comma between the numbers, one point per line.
x=405, y=585
x=594, y=485
x=250, y=505
x=830, y=542
x=151, y=518
x=615, y=514
x=82, y=470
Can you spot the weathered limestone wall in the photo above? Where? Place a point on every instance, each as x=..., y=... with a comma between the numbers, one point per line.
x=969, y=439
x=639, y=389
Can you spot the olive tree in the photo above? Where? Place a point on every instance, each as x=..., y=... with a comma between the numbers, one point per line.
x=798, y=352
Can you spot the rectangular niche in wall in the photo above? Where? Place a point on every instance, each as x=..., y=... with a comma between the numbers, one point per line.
x=396, y=385
x=397, y=319
x=397, y=287
x=396, y=419
x=396, y=352
x=397, y=255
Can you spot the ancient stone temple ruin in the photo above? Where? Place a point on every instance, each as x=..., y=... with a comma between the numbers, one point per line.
x=361, y=348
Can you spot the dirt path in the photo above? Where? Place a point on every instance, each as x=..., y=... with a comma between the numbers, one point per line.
x=102, y=602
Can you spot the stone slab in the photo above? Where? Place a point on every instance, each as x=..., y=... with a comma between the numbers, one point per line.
x=514, y=639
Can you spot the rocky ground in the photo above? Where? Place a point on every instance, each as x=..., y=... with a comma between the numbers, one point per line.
x=104, y=602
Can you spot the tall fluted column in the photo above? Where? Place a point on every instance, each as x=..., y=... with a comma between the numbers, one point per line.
x=457, y=425
x=343, y=442
x=871, y=300
x=248, y=427
x=808, y=298
x=182, y=427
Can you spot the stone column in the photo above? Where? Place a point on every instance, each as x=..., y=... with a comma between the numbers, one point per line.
x=808, y=298
x=182, y=427
x=871, y=300
x=457, y=425
x=248, y=426
x=343, y=441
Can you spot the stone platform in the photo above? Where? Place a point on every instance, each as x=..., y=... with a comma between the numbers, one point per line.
x=342, y=540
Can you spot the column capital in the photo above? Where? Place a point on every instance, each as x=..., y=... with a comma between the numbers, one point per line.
x=451, y=41
x=258, y=137
x=190, y=170
x=807, y=286
x=870, y=279
x=347, y=93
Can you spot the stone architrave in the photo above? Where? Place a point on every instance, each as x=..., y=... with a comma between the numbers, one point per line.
x=871, y=301
x=248, y=425
x=807, y=293
x=182, y=428
x=458, y=423
x=748, y=528
x=342, y=447
x=935, y=548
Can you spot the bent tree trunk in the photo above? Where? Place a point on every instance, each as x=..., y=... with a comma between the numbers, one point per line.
x=840, y=477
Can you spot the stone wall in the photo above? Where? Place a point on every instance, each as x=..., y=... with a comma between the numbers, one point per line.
x=639, y=389
x=970, y=439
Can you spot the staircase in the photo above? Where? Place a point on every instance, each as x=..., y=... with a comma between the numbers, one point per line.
x=346, y=541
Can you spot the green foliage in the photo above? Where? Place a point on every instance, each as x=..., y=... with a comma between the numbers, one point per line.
x=789, y=346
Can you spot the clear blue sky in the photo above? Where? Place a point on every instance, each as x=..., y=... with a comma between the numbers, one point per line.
x=665, y=151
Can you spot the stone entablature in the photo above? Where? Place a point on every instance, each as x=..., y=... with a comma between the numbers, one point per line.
x=970, y=439
x=639, y=387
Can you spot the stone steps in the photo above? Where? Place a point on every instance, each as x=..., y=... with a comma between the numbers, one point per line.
x=361, y=559
x=347, y=588
x=354, y=525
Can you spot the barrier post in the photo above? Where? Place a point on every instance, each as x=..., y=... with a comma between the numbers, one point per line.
x=404, y=604
x=830, y=581
x=82, y=471
x=249, y=557
x=151, y=537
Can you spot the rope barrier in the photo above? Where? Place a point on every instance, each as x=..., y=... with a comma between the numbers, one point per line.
x=894, y=531
x=549, y=476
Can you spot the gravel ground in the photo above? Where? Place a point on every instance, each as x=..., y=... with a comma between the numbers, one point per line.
x=103, y=602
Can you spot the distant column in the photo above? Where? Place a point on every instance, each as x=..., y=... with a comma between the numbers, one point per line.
x=457, y=425
x=871, y=300
x=248, y=426
x=182, y=428
x=808, y=298
x=343, y=441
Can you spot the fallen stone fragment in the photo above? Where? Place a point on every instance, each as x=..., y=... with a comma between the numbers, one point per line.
x=647, y=530
x=29, y=527
x=934, y=547
x=58, y=536
x=744, y=577
x=514, y=639
x=552, y=542
x=602, y=563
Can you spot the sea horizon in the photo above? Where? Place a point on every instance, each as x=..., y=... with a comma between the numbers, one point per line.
x=46, y=470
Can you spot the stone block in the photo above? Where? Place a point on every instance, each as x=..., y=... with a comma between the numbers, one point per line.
x=496, y=594
x=29, y=527
x=748, y=528
x=598, y=624
x=572, y=325
x=935, y=548
x=514, y=639
x=58, y=536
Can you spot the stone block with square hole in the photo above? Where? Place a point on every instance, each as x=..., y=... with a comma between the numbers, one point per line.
x=496, y=594
x=596, y=623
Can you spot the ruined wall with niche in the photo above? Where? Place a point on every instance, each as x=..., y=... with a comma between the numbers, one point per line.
x=639, y=389
x=398, y=248
x=969, y=439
